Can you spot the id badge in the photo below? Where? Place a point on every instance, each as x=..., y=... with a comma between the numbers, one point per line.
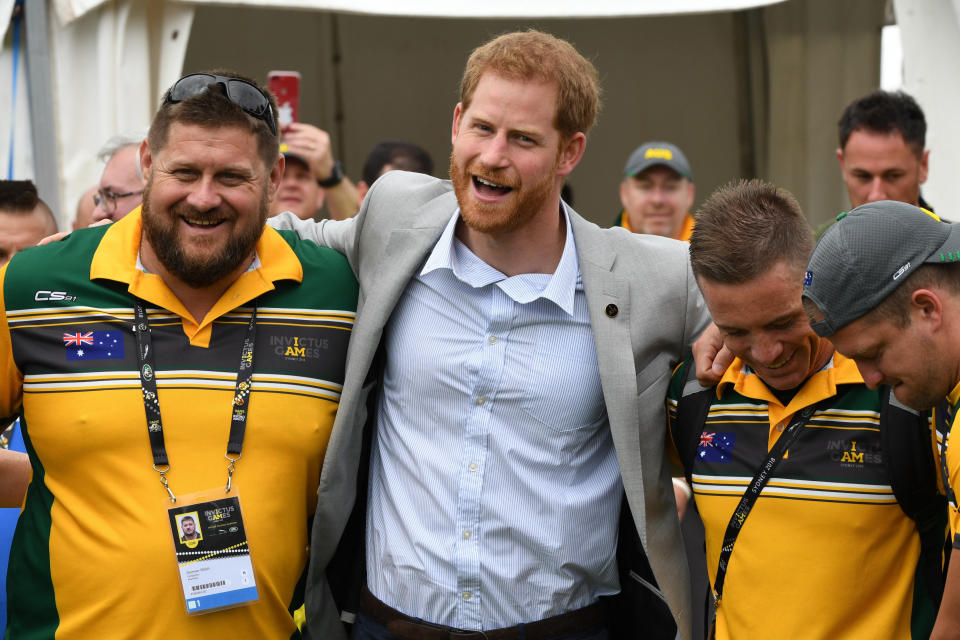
x=213, y=555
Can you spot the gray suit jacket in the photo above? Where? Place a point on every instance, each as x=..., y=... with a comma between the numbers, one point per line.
x=645, y=310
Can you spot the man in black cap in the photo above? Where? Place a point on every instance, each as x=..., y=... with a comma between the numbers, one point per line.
x=883, y=285
x=657, y=192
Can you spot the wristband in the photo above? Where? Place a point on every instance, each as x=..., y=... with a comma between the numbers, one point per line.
x=335, y=178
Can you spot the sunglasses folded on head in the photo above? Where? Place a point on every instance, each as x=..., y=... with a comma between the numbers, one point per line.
x=245, y=95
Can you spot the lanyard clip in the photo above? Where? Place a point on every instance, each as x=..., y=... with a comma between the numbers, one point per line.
x=164, y=482
x=230, y=469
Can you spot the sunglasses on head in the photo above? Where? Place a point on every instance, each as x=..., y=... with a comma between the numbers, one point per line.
x=240, y=92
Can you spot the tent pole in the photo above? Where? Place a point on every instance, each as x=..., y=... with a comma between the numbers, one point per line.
x=40, y=92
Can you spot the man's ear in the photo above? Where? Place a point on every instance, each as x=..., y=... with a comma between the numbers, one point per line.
x=457, y=114
x=926, y=307
x=276, y=175
x=571, y=152
x=146, y=160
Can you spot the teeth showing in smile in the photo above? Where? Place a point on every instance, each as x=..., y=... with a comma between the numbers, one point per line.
x=483, y=184
x=778, y=365
x=202, y=223
x=489, y=184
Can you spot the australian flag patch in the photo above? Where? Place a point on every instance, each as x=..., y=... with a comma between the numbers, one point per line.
x=716, y=446
x=93, y=345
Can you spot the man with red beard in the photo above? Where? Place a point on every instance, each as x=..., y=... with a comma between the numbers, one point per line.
x=139, y=356
x=523, y=356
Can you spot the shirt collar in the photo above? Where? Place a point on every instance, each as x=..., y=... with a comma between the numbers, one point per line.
x=560, y=288
x=820, y=386
x=954, y=397
x=117, y=257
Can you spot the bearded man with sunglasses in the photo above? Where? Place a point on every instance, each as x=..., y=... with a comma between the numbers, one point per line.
x=181, y=362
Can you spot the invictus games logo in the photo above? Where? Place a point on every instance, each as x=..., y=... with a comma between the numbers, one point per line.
x=219, y=514
x=853, y=454
x=298, y=348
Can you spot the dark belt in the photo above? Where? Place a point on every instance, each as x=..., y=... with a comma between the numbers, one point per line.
x=408, y=628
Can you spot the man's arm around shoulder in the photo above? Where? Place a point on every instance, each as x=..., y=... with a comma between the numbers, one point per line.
x=392, y=190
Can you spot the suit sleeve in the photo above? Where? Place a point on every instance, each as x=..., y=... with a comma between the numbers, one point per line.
x=338, y=235
x=697, y=316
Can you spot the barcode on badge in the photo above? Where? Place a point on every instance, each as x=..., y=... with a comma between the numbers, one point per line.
x=209, y=585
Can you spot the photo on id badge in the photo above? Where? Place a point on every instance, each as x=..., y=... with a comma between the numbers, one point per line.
x=212, y=552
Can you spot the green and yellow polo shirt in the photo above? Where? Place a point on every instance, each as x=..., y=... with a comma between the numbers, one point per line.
x=92, y=556
x=826, y=552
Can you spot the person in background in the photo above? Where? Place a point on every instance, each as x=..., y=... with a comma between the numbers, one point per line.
x=657, y=192
x=85, y=208
x=390, y=155
x=882, y=151
x=121, y=183
x=24, y=220
x=312, y=177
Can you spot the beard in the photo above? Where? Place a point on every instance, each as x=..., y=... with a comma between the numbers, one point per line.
x=212, y=263
x=499, y=217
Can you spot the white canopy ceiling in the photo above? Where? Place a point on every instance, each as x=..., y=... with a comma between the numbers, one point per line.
x=69, y=10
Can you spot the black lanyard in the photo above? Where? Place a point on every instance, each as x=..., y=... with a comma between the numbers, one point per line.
x=749, y=498
x=944, y=418
x=151, y=402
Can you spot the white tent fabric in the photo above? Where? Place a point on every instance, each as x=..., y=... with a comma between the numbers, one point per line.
x=930, y=32
x=113, y=58
x=14, y=119
x=69, y=10
x=109, y=69
x=111, y=61
x=6, y=11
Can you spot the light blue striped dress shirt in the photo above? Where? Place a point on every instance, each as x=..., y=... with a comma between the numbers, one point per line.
x=494, y=486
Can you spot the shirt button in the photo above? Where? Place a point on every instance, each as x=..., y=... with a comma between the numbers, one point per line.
x=466, y=534
x=467, y=595
x=492, y=339
x=473, y=466
x=481, y=399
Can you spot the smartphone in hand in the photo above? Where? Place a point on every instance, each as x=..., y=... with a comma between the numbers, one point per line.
x=285, y=86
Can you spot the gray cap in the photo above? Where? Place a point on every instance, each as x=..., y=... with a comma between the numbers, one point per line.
x=651, y=154
x=868, y=253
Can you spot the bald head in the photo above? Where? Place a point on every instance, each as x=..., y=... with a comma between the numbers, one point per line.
x=24, y=218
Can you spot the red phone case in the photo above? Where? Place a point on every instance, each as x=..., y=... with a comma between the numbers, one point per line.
x=285, y=86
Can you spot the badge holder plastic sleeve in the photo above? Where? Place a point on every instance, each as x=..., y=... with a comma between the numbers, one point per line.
x=214, y=562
